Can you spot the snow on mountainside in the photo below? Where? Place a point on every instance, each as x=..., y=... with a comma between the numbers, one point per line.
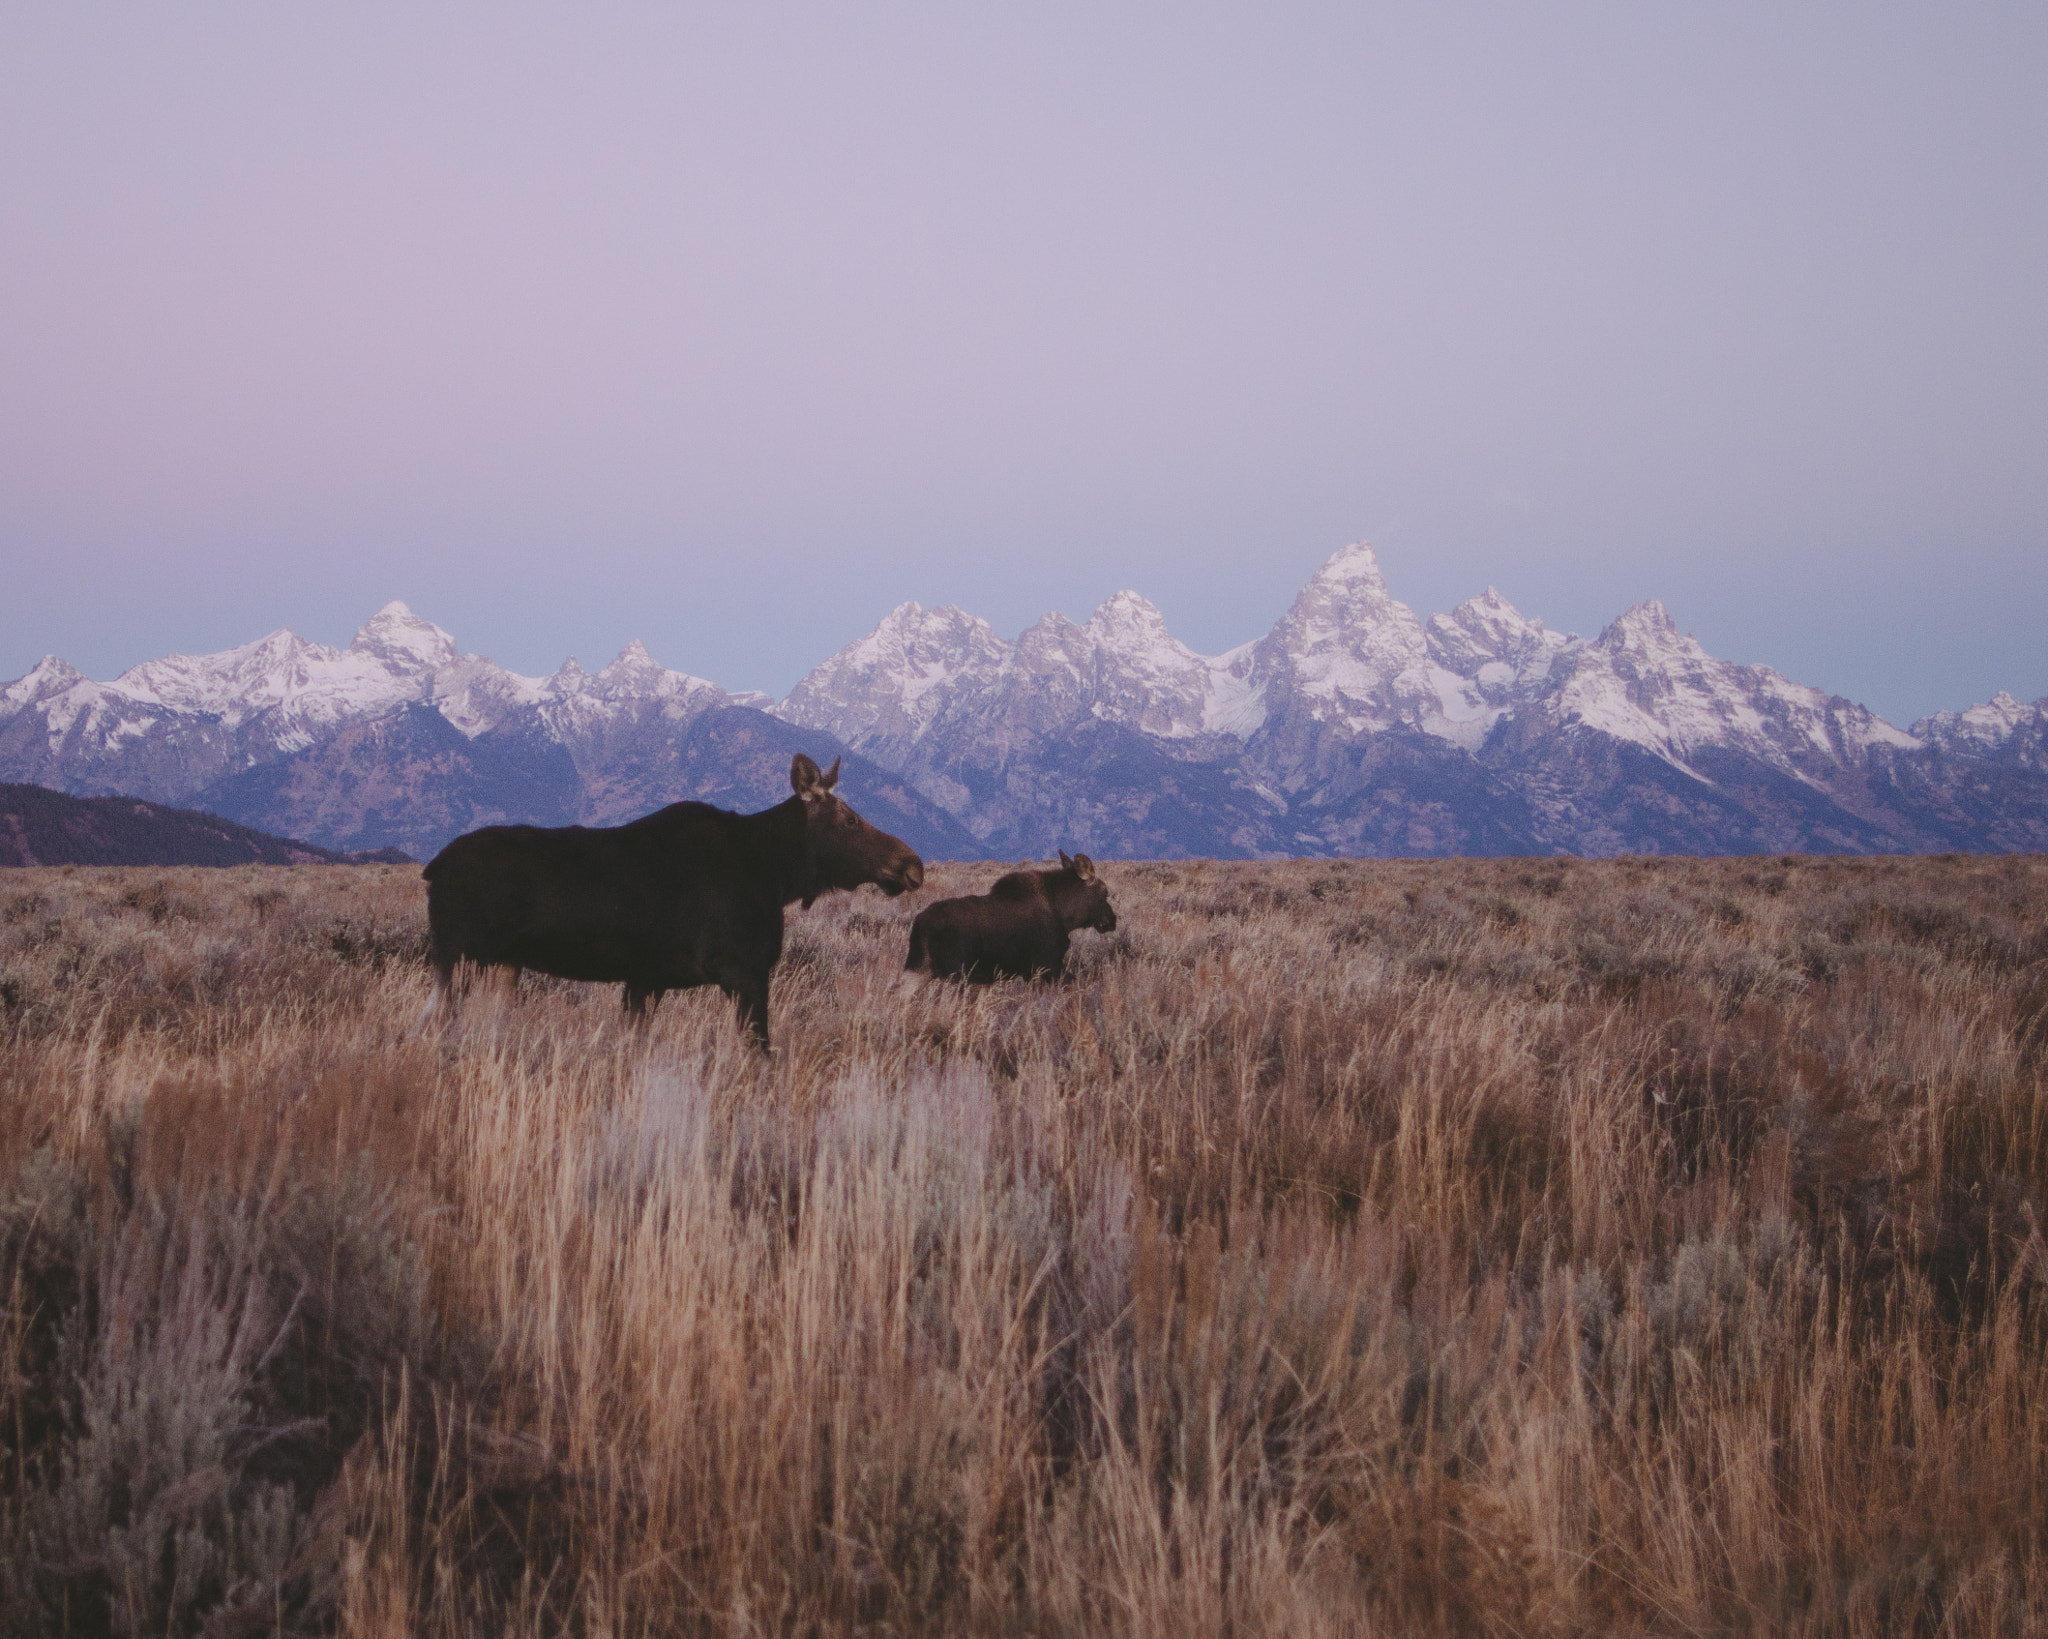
x=1983, y=727
x=884, y=690
x=1349, y=655
x=921, y=667
x=273, y=696
x=402, y=740
x=1643, y=681
x=1500, y=658
x=1351, y=726
x=1326, y=725
x=283, y=693
x=382, y=668
x=1346, y=658
x=1148, y=679
x=48, y=676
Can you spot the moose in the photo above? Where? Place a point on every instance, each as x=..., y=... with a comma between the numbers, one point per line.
x=1019, y=929
x=688, y=895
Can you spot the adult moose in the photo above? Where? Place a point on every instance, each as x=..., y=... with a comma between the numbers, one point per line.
x=1019, y=929
x=688, y=895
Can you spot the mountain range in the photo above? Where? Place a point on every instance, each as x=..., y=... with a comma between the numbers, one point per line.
x=1352, y=727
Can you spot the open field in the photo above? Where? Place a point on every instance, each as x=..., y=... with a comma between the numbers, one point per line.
x=1471, y=1247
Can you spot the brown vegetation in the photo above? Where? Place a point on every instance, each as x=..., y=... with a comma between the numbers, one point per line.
x=1501, y=1247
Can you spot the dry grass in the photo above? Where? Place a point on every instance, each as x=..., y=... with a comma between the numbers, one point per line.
x=1499, y=1247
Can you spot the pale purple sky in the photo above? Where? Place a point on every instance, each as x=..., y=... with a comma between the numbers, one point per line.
x=730, y=328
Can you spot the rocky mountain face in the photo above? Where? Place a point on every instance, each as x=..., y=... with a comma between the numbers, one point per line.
x=1355, y=727
x=401, y=740
x=1352, y=727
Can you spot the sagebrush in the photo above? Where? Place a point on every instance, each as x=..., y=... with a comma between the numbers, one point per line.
x=1516, y=1247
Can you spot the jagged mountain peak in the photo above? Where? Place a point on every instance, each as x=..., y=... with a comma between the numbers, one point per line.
x=1486, y=629
x=884, y=688
x=904, y=618
x=1054, y=621
x=1645, y=622
x=250, y=676
x=635, y=675
x=1350, y=594
x=1126, y=606
x=1501, y=657
x=402, y=641
x=1351, y=565
x=1986, y=725
x=1642, y=680
x=50, y=675
x=914, y=635
x=1143, y=676
x=1350, y=726
x=1128, y=629
x=1128, y=623
x=634, y=659
x=1055, y=654
x=1492, y=607
x=1348, y=652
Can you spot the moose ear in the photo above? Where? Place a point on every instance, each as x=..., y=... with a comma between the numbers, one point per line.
x=1084, y=867
x=830, y=777
x=1066, y=864
x=804, y=776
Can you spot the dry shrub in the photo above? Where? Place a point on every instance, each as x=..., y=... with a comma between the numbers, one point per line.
x=1464, y=1247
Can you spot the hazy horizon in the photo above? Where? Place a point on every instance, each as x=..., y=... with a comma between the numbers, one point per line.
x=731, y=332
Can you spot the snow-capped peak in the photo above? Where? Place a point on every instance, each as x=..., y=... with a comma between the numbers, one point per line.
x=1645, y=624
x=1489, y=658
x=233, y=682
x=635, y=674
x=634, y=658
x=282, y=694
x=1353, y=563
x=887, y=687
x=1348, y=651
x=1128, y=611
x=1013, y=737
x=49, y=675
x=402, y=641
x=1643, y=680
x=918, y=669
x=1147, y=678
x=1488, y=631
x=1981, y=727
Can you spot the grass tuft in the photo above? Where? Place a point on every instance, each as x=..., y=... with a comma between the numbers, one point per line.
x=1500, y=1247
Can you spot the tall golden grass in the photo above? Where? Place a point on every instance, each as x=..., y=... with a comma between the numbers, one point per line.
x=1647, y=1246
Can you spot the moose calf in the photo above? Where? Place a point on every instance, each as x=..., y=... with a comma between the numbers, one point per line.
x=1019, y=929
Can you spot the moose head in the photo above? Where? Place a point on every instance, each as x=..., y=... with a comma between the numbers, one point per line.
x=844, y=850
x=1080, y=897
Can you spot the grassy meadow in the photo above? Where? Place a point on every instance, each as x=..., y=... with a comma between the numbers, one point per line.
x=1496, y=1247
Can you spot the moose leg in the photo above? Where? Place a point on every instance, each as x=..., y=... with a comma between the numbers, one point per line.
x=751, y=996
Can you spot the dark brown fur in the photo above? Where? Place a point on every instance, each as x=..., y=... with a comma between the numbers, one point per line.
x=689, y=895
x=1019, y=929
